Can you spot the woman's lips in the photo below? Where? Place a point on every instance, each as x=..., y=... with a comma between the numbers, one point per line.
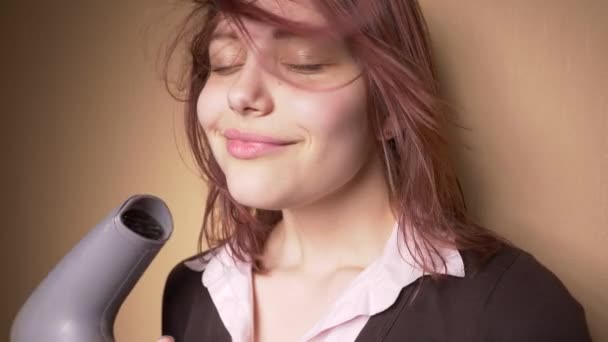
x=243, y=145
x=251, y=149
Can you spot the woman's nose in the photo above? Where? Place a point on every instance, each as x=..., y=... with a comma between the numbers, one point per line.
x=249, y=95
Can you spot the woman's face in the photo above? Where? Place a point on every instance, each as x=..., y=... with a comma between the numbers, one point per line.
x=298, y=145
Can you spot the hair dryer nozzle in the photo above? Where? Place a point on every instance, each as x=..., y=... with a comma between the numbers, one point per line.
x=147, y=216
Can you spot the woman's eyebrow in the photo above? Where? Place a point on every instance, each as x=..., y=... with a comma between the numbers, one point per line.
x=223, y=35
x=277, y=34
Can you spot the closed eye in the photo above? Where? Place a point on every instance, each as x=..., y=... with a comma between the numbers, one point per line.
x=300, y=68
x=307, y=68
x=224, y=70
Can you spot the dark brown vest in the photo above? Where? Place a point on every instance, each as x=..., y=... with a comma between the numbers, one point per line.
x=511, y=298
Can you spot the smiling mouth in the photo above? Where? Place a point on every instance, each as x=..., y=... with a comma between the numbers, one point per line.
x=249, y=145
x=235, y=134
x=243, y=149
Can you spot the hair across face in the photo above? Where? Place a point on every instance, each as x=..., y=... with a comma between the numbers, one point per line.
x=285, y=90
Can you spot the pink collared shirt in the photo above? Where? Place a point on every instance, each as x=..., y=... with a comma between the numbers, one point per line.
x=373, y=290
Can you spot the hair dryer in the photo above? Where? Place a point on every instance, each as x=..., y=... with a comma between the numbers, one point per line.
x=79, y=299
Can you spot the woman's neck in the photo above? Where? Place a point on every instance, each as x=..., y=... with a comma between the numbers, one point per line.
x=348, y=228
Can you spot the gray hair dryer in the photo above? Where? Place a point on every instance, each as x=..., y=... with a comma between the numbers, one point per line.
x=79, y=299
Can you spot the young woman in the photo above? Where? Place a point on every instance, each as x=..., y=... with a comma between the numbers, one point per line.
x=333, y=212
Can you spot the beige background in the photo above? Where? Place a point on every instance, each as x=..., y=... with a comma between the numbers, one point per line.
x=87, y=123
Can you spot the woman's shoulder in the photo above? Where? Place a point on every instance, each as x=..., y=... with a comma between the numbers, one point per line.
x=184, y=282
x=525, y=301
x=513, y=275
x=187, y=272
x=187, y=308
x=510, y=296
x=510, y=264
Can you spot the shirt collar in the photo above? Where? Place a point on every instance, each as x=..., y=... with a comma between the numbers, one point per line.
x=229, y=283
x=378, y=285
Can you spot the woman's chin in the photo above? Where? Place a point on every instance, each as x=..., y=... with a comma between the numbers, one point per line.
x=256, y=197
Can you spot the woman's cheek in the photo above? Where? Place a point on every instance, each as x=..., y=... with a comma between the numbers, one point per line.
x=209, y=107
x=334, y=115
